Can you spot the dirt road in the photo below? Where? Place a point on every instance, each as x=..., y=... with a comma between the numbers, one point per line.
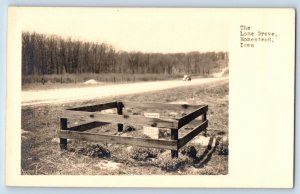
x=92, y=92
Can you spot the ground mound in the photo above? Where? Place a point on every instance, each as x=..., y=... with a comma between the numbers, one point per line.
x=91, y=81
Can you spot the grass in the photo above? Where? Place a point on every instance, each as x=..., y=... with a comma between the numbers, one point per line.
x=31, y=80
x=40, y=153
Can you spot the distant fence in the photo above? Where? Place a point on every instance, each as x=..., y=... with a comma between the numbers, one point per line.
x=92, y=117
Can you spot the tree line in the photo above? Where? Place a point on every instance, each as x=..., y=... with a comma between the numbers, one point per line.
x=50, y=54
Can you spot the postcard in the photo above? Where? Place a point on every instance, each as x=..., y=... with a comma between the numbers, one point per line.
x=150, y=97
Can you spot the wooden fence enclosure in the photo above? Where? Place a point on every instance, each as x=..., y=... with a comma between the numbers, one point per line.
x=93, y=116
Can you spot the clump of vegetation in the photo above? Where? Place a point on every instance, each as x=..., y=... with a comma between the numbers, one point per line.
x=222, y=148
x=143, y=154
x=189, y=151
x=95, y=150
x=164, y=133
x=172, y=164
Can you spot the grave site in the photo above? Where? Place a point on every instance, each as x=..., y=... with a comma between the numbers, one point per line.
x=178, y=131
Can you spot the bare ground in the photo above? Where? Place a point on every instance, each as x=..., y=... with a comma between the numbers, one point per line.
x=41, y=154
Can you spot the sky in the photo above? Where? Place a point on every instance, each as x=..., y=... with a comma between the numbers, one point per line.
x=146, y=30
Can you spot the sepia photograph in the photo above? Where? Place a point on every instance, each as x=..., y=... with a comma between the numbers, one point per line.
x=120, y=100
x=150, y=97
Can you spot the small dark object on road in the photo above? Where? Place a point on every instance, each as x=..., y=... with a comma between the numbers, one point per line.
x=186, y=78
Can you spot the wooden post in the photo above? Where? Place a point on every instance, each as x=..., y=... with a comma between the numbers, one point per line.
x=174, y=136
x=63, y=126
x=120, y=112
x=204, y=119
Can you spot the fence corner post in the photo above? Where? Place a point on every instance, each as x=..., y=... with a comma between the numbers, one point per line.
x=63, y=126
x=203, y=120
x=174, y=136
x=120, y=112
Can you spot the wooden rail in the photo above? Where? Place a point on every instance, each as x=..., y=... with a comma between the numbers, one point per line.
x=97, y=107
x=87, y=126
x=159, y=106
x=188, y=118
x=112, y=118
x=134, y=141
x=188, y=137
x=91, y=117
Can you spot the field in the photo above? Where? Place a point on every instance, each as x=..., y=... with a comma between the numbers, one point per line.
x=40, y=144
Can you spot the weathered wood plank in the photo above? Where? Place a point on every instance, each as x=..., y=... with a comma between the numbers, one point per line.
x=111, y=118
x=159, y=106
x=87, y=126
x=97, y=107
x=191, y=116
x=151, y=114
x=194, y=123
x=133, y=141
x=188, y=137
